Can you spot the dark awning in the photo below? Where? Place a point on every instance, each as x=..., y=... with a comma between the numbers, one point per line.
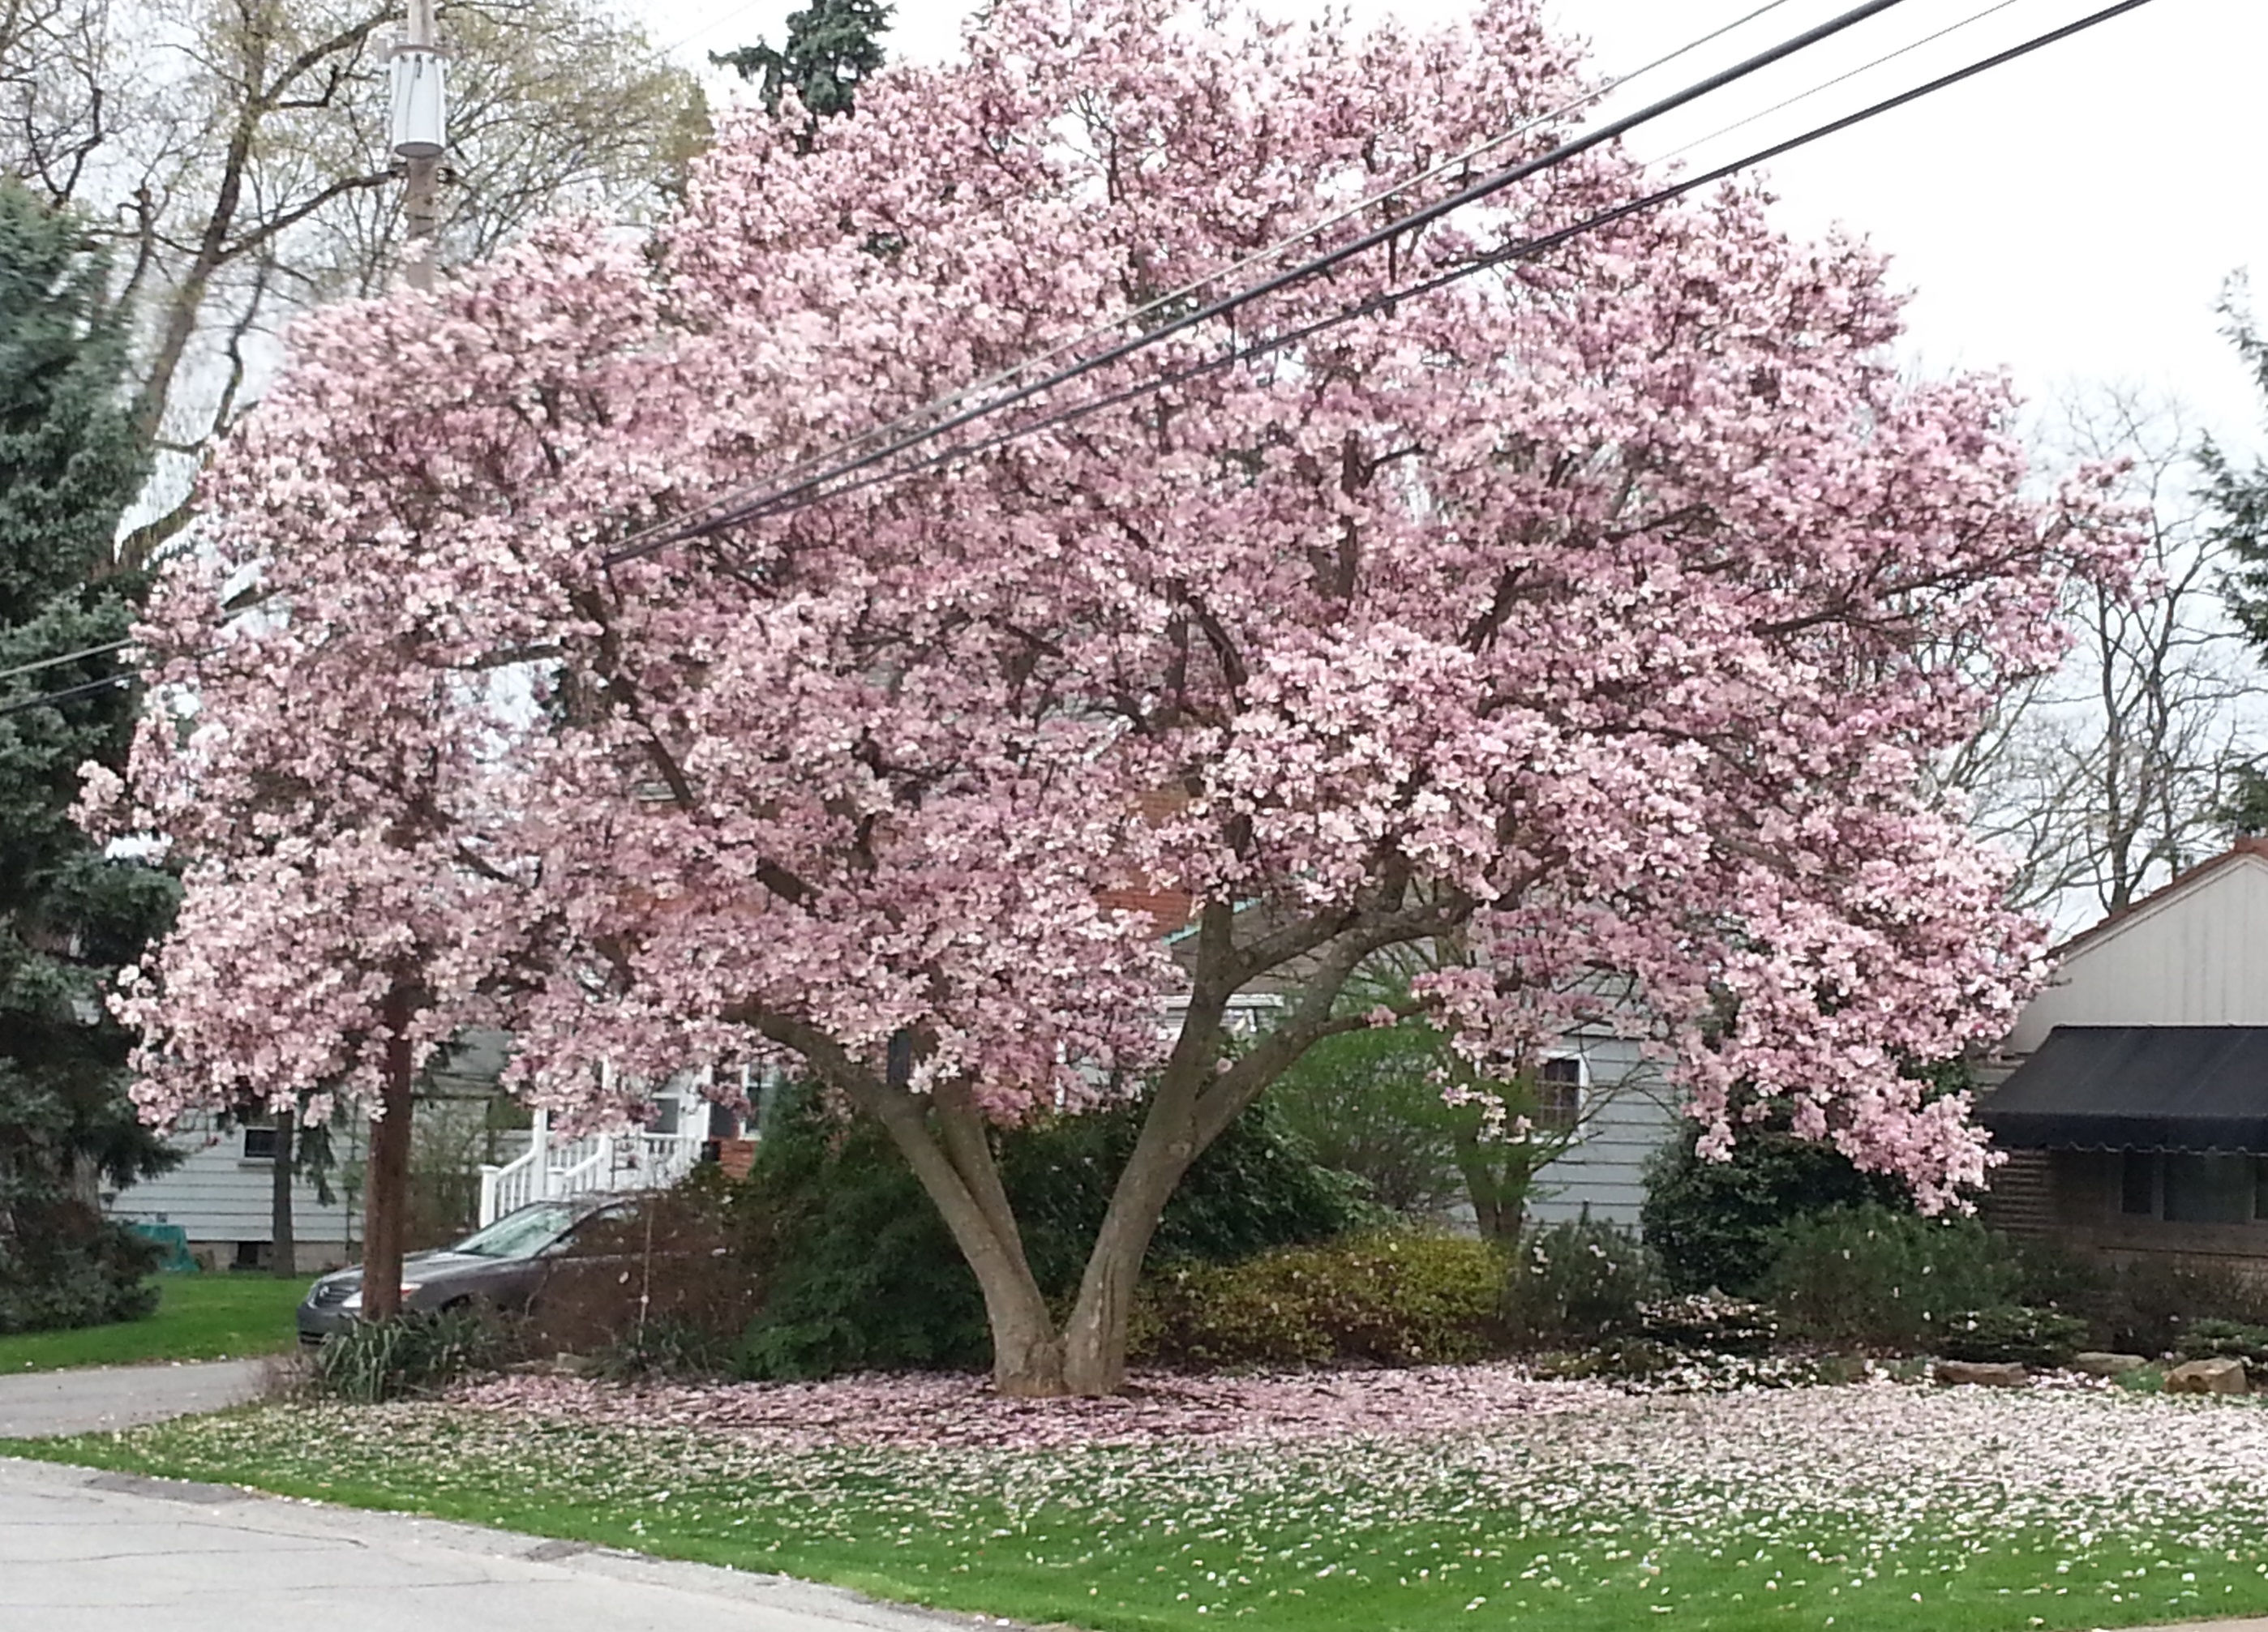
x=2136, y=1087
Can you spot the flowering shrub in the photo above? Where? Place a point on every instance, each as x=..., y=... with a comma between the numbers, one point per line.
x=1394, y=1299
x=1577, y=1282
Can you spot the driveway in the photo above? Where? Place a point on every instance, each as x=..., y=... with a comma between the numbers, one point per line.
x=37, y=1405
x=87, y=1552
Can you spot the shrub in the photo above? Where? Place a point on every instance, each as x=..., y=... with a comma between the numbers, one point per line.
x=1577, y=1282
x=62, y=1265
x=2013, y=1332
x=657, y=1286
x=1716, y=1225
x=2151, y=1307
x=1393, y=1299
x=1869, y=1275
x=417, y=1352
x=856, y=1271
x=1701, y=1322
x=2211, y=1340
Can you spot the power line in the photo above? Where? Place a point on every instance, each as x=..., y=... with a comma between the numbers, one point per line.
x=53, y=697
x=1829, y=84
x=794, y=501
x=1472, y=193
x=1487, y=187
x=69, y=656
x=1260, y=257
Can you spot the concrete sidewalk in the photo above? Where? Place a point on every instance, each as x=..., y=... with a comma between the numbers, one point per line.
x=86, y=1552
x=40, y=1405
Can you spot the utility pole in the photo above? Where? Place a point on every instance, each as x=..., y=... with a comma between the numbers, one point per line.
x=421, y=118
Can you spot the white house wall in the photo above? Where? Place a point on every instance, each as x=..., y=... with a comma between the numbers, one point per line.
x=218, y=1198
x=2193, y=955
x=1629, y=1116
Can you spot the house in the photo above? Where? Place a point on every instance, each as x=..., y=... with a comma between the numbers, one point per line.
x=2135, y=1118
x=466, y=1168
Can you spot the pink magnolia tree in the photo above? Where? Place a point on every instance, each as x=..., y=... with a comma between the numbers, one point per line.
x=1598, y=616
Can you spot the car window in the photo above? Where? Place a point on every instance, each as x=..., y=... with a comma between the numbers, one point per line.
x=522, y=1234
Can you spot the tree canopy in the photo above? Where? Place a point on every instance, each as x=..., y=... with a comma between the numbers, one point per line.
x=69, y=461
x=1603, y=610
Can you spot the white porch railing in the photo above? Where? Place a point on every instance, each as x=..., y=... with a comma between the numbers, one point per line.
x=596, y=1162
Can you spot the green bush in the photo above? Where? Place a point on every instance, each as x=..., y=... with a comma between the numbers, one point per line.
x=2213, y=1340
x=1393, y=1299
x=64, y=1265
x=1716, y=1225
x=1871, y=1276
x=1698, y=1322
x=417, y=1352
x=855, y=1270
x=1576, y=1283
x=2013, y=1333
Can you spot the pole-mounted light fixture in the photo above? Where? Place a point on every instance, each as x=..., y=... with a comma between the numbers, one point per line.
x=421, y=101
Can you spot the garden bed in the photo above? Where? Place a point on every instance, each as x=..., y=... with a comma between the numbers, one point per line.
x=1449, y=1495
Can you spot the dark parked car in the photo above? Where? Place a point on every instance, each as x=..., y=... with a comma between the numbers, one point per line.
x=503, y=1266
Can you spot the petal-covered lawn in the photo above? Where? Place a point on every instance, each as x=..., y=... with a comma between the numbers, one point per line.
x=1469, y=1497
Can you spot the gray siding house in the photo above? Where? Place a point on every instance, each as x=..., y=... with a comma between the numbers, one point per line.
x=2135, y=1110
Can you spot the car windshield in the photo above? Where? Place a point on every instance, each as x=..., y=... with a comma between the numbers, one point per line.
x=521, y=1234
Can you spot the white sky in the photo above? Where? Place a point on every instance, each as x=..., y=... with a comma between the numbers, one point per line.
x=2070, y=216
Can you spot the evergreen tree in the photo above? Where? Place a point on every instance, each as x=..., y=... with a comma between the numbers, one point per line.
x=69, y=463
x=831, y=46
x=2239, y=500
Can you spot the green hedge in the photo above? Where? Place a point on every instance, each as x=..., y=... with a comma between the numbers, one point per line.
x=1871, y=1276
x=1390, y=1299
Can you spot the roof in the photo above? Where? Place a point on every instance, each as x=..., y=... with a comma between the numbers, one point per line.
x=2181, y=882
x=2136, y=1087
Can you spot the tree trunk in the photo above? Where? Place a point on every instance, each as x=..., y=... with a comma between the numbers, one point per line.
x=385, y=1196
x=1094, y=1336
x=956, y=1167
x=284, y=1249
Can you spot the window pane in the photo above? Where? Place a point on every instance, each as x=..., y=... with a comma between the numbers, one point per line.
x=260, y=1144
x=2209, y=1189
x=2138, y=1190
x=1558, y=1093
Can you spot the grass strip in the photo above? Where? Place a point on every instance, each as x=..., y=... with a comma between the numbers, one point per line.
x=1375, y=1535
x=199, y=1317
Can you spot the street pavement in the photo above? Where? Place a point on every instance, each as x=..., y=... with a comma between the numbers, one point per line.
x=34, y=1405
x=82, y=1551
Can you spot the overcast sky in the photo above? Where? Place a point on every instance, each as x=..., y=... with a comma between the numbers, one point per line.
x=2071, y=217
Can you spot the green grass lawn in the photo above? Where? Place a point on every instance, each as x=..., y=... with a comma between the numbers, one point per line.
x=1907, y=1511
x=199, y=1317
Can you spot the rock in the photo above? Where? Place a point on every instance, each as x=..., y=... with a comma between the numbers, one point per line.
x=2223, y=1376
x=1985, y=1374
x=2096, y=1363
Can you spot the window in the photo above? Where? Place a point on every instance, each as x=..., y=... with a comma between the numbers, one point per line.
x=2214, y=1188
x=1558, y=1094
x=260, y=1144
x=2194, y=1186
x=2139, y=1185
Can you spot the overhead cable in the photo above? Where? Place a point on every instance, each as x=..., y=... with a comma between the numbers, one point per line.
x=1362, y=243
x=1526, y=249
x=51, y=698
x=69, y=656
x=947, y=401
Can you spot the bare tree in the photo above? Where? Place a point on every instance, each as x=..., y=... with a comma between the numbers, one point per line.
x=237, y=148
x=2114, y=774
